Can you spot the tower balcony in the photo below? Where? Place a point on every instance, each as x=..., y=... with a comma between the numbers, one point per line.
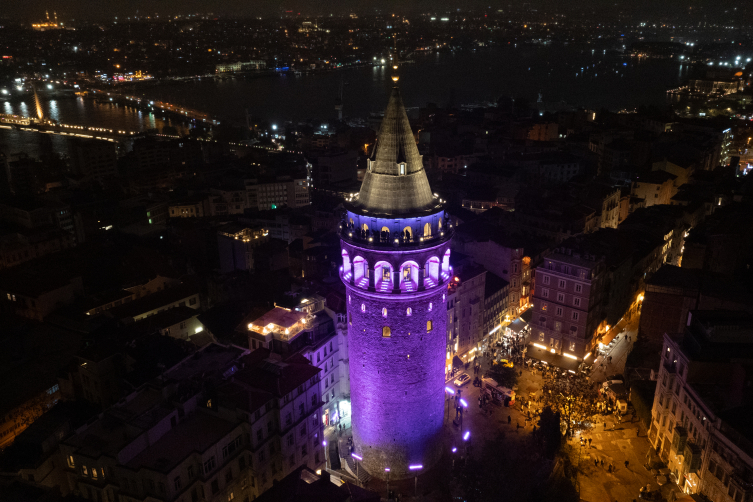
x=382, y=240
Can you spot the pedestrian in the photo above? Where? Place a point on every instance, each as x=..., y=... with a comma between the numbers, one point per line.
x=589, y=442
x=602, y=462
x=605, y=426
x=509, y=419
x=626, y=463
x=596, y=462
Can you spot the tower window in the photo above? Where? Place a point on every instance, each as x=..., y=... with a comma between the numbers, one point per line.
x=386, y=332
x=428, y=326
x=402, y=168
x=430, y=306
x=409, y=311
x=363, y=307
x=384, y=312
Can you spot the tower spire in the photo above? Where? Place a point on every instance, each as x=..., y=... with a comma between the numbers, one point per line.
x=395, y=183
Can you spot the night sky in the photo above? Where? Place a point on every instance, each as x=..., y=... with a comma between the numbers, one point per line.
x=33, y=10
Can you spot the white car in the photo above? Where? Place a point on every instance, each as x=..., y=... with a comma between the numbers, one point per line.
x=462, y=380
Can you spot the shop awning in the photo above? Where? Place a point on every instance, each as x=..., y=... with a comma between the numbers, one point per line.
x=457, y=362
x=554, y=359
x=517, y=325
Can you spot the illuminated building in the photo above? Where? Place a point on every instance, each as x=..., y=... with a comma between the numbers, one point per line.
x=49, y=24
x=396, y=268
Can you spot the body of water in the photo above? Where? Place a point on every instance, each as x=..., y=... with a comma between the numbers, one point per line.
x=580, y=75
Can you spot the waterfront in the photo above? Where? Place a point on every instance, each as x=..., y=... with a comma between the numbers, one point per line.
x=580, y=75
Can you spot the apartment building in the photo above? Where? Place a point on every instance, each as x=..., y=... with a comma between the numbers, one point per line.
x=303, y=325
x=223, y=424
x=465, y=311
x=566, y=301
x=703, y=387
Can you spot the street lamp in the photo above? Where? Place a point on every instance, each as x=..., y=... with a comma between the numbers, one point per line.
x=359, y=458
x=326, y=460
x=387, y=470
x=415, y=467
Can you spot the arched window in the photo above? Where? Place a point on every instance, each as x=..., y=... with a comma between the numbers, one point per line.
x=365, y=227
x=386, y=332
x=363, y=307
x=408, y=233
x=409, y=311
x=428, y=326
x=427, y=230
x=349, y=299
x=443, y=296
x=440, y=224
x=384, y=312
x=430, y=305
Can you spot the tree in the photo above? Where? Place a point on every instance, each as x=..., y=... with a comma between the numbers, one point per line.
x=574, y=397
x=549, y=435
x=506, y=377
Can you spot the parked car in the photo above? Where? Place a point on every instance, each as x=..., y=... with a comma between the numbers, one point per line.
x=462, y=380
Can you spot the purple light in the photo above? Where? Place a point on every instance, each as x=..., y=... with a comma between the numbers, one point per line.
x=415, y=467
x=449, y=390
x=466, y=435
x=357, y=457
x=454, y=449
x=386, y=469
x=462, y=401
x=324, y=443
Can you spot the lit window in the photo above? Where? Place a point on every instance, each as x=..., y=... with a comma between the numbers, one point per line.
x=384, y=312
x=409, y=311
x=428, y=326
x=430, y=306
x=386, y=332
x=363, y=307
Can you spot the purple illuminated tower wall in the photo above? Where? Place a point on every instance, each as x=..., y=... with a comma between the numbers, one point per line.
x=396, y=266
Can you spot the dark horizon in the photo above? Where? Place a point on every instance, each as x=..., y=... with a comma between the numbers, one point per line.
x=81, y=10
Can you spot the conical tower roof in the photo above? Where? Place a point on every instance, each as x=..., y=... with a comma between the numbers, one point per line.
x=395, y=182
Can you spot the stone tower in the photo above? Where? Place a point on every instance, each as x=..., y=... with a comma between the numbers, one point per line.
x=396, y=266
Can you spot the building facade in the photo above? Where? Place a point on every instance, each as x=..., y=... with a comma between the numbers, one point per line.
x=395, y=240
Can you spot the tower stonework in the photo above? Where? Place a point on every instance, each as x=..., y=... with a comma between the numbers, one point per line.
x=395, y=241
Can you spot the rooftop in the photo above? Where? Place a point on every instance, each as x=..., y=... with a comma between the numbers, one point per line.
x=196, y=433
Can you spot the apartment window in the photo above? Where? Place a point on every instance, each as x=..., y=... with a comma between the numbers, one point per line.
x=578, y=288
x=176, y=483
x=259, y=435
x=572, y=347
x=428, y=326
x=313, y=400
x=242, y=462
x=576, y=302
x=561, y=297
x=545, y=279
x=386, y=333
x=300, y=409
x=303, y=430
x=541, y=337
x=575, y=316
x=288, y=419
x=304, y=450
x=230, y=496
x=229, y=476
x=543, y=307
x=544, y=293
x=192, y=301
x=269, y=426
x=561, y=284
x=291, y=439
x=84, y=470
x=292, y=460
x=209, y=465
x=71, y=462
x=557, y=326
x=191, y=473
x=559, y=311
